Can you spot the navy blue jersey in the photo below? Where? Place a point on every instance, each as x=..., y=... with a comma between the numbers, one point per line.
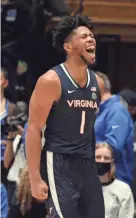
x=69, y=127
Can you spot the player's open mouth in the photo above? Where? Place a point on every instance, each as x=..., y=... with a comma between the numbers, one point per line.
x=90, y=51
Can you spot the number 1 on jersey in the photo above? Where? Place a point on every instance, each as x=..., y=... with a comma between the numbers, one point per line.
x=82, y=122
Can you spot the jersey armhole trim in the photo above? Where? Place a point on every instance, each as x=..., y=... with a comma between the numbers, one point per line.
x=99, y=91
x=88, y=78
x=57, y=101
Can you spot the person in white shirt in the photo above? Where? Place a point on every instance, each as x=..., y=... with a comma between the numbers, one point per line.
x=118, y=197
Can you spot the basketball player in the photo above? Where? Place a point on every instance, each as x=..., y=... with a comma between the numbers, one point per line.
x=65, y=100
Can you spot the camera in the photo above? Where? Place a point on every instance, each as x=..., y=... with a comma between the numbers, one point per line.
x=12, y=123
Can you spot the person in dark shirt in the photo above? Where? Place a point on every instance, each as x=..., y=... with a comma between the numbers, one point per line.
x=63, y=107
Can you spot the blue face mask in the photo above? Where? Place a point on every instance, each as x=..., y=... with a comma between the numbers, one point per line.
x=103, y=168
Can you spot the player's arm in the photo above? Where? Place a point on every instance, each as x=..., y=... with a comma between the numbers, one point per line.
x=46, y=92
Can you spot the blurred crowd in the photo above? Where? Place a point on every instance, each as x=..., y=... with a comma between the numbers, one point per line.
x=115, y=132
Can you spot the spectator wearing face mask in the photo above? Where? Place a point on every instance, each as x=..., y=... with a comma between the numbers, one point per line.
x=115, y=126
x=117, y=194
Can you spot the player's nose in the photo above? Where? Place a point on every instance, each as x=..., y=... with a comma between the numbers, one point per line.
x=90, y=39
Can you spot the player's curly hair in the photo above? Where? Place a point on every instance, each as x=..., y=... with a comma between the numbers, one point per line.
x=23, y=194
x=65, y=27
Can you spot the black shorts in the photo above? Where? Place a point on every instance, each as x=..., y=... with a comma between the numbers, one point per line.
x=75, y=190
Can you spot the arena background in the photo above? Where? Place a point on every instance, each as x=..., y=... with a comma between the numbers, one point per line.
x=28, y=37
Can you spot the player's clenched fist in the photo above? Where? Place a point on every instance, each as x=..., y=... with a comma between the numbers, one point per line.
x=39, y=189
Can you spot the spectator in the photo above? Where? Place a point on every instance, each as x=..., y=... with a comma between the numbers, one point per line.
x=14, y=159
x=128, y=98
x=7, y=109
x=4, y=201
x=117, y=194
x=23, y=205
x=114, y=125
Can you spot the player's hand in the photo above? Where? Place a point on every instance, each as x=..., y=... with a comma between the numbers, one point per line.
x=39, y=189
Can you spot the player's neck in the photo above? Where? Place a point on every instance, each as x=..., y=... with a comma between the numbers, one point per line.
x=78, y=71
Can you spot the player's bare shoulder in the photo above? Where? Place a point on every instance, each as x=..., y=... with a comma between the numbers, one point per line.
x=46, y=92
x=50, y=78
x=49, y=82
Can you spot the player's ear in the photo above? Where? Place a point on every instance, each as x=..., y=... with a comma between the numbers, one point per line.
x=67, y=47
